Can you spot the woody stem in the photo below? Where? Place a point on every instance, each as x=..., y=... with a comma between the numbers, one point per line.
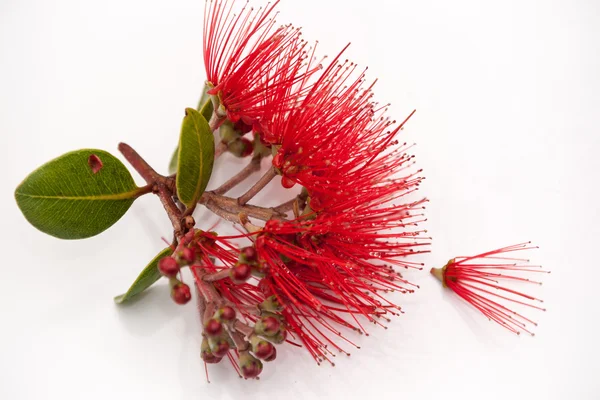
x=251, y=168
x=160, y=185
x=258, y=186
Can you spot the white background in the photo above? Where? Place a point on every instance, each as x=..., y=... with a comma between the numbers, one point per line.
x=507, y=99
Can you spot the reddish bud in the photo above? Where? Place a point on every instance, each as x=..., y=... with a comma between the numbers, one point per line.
x=168, y=267
x=279, y=337
x=248, y=254
x=268, y=326
x=240, y=147
x=250, y=366
x=241, y=272
x=220, y=347
x=207, y=355
x=263, y=349
x=211, y=358
x=227, y=313
x=180, y=293
x=287, y=182
x=213, y=327
x=272, y=356
x=188, y=254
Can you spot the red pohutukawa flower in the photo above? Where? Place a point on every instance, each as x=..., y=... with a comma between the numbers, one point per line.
x=483, y=281
x=251, y=66
x=331, y=270
x=337, y=141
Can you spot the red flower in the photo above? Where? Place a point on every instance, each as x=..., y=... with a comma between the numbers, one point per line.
x=337, y=143
x=326, y=267
x=248, y=62
x=477, y=280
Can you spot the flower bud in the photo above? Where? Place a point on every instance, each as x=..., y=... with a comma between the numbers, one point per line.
x=240, y=273
x=219, y=346
x=271, y=304
x=210, y=358
x=240, y=147
x=168, y=267
x=248, y=254
x=228, y=133
x=272, y=356
x=213, y=327
x=250, y=366
x=267, y=325
x=261, y=348
x=188, y=255
x=279, y=337
x=226, y=313
x=180, y=293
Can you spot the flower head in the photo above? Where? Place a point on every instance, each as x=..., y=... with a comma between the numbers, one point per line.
x=251, y=66
x=331, y=270
x=484, y=282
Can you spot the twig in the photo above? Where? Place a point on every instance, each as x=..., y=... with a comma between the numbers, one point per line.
x=252, y=167
x=139, y=164
x=160, y=186
x=229, y=216
x=231, y=205
x=258, y=186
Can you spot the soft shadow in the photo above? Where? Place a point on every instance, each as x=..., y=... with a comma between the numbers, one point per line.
x=147, y=312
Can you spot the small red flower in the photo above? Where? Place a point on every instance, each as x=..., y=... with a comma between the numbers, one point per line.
x=482, y=280
x=251, y=66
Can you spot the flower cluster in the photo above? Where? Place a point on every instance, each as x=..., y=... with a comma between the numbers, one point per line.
x=327, y=270
x=320, y=265
x=333, y=263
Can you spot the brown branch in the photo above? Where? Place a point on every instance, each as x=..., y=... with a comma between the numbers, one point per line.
x=231, y=205
x=258, y=186
x=160, y=185
x=226, y=215
x=139, y=164
x=251, y=168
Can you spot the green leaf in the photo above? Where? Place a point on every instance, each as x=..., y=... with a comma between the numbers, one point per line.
x=147, y=277
x=77, y=195
x=206, y=109
x=195, y=158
